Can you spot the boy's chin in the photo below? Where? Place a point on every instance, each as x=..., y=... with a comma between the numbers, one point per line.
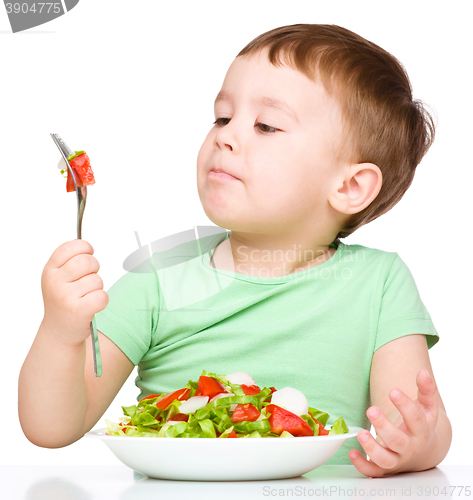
x=220, y=222
x=228, y=219
x=224, y=222
x=231, y=223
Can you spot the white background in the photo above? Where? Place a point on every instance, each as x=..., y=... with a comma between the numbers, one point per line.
x=134, y=87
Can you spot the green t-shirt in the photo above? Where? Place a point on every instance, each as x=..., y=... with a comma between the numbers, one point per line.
x=314, y=330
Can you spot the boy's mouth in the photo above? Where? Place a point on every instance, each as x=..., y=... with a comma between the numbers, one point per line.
x=218, y=172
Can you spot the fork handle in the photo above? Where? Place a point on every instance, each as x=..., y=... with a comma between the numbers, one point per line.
x=96, y=349
x=81, y=198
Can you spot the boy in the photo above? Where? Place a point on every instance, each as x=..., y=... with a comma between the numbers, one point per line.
x=316, y=134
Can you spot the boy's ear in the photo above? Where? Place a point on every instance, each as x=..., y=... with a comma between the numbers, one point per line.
x=357, y=188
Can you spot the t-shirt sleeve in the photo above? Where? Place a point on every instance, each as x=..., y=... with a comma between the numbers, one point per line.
x=402, y=311
x=131, y=316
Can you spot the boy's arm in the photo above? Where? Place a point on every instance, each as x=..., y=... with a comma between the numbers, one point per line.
x=59, y=398
x=101, y=391
x=414, y=432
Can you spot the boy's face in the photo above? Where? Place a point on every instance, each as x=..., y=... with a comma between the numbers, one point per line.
x=284, y=164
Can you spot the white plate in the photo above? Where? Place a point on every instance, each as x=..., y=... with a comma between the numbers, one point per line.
x=242, y=459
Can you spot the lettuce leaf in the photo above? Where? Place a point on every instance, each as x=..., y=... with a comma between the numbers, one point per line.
x=262, y=426
x=339, y=427
x=312, y=424
x=321, y=416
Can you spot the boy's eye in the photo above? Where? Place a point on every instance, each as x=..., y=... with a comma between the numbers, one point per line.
x=218, y=121
x=266, y=128
x=262, y=126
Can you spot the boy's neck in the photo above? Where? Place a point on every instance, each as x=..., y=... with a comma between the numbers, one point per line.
x=237, y=255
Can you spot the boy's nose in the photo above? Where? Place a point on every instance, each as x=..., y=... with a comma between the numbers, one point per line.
x=229, y=146
x=226, y=139
x=223, y=143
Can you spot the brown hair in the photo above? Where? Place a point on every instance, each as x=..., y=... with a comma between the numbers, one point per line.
x=384, y=124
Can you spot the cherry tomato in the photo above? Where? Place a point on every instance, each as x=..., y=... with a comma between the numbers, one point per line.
x=81, y=165
x=180, y=395
x=82, y=172
x=151, y=396
x=245, y=413
x=210, y=387
x=180, y=417
x=250, y=390
x=284, y=420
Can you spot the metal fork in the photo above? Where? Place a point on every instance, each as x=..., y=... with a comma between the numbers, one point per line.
x=81, y=199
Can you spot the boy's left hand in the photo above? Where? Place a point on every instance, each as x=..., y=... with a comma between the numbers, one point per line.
x=405, y=447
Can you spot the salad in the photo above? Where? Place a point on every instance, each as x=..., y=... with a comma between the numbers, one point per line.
x=224, y=406
x=80, y=163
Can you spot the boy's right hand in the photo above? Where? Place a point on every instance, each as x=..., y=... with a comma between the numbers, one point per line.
x=72, y=291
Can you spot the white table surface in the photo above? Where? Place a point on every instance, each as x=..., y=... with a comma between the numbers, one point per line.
x=329, y=481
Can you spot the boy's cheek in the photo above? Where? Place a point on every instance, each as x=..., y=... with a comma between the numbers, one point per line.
x=202, y=156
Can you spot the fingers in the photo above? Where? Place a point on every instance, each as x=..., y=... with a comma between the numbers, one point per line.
x=428, y=394
x=414, y=420
x=383, y=457
x=94, y=302
x=87, y=284
x=390, y=436
x=79, y=266
x=368, y=468
x=68, y=250
x=418, y=414
x=396, y=444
